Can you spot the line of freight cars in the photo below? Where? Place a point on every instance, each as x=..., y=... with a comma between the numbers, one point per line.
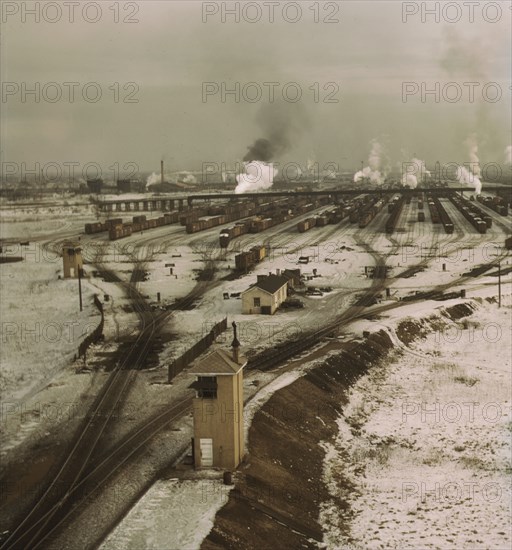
x=247, y=260
x=498, y=204
x=99, y=227
x=435, y=205
x=235, y=212
x=332, y=216
x=472, y=213
x=395, y=208
x=140, y=223
x=219, y=215
x=269, y=215
x=368, y=211
x=360, y=211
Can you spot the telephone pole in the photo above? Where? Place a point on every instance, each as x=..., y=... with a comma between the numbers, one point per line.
x=499, y=284
x=80, y=287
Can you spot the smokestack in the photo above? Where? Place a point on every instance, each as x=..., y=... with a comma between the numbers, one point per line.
x=162, y=171
x=235, y=344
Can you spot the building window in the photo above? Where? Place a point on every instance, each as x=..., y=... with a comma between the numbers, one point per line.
x=257, y=302
x=207, y=387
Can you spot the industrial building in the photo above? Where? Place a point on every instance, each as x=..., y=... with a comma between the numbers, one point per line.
x=130, y=186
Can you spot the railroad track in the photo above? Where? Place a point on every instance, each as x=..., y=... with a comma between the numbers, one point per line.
x=110, y=465
x=46, y=512
x=52, y=506
x=265, y=361
x=49, y=514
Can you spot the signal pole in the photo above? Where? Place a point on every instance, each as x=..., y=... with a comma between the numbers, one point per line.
x=80, y=287
x=499, y=284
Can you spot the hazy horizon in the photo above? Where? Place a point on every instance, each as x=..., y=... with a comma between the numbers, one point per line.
x=170, y=53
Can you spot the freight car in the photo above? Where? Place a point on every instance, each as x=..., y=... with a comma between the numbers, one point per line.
x=470, y=212
x=393, y=203
x=421, y=216
x=247, y=260
x=434, y=214
x=498, y=204
x=335, y=216
x=96, y=227
x=370, y=210
x=113, y=222
x=232, y=232
x=443, y=216
x=306, y=225
x=395, y=215
x=508, y=243
x=120, y=231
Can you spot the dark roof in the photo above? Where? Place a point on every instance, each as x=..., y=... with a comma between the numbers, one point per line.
x=291, y=273
x=271, y=283
x=217, y=362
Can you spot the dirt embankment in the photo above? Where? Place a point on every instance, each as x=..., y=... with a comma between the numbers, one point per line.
x=279, y=487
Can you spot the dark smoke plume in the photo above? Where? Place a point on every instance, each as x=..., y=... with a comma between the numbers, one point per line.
x=282, y=124
x=262, y=149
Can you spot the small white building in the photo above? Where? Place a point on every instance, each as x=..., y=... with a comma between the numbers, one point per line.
x=266, y=295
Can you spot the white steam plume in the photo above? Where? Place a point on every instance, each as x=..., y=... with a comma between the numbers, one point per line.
x=415, y=171
x=464, y=176
x=508, y=155
x=373, y=171
x=154, y=178
x=257, y=177
x=187, y=177
x=471, y=175
x=472, y=146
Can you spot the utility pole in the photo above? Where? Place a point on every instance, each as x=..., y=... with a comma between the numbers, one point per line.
x=80, y=287
x=499, y=284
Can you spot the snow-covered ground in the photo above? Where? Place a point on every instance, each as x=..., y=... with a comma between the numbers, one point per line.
x=173, y=514
x=339, y=258
x=338, y=262
x=31, y=222
x=425, y=440
x=42, y=325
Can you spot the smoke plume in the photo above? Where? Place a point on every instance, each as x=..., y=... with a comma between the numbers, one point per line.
x=187, y=177
x=415, y=171
x=508, y=155
x=471, y=175
x=154, y=178
x=281, y=124
x=471, y=144
x=375, y=171
x=465, y=177
x=257, y=177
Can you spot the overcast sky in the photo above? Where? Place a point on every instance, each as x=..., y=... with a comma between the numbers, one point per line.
x=171, y=52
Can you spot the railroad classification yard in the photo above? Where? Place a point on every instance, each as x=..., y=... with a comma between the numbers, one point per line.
x=222, y=329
